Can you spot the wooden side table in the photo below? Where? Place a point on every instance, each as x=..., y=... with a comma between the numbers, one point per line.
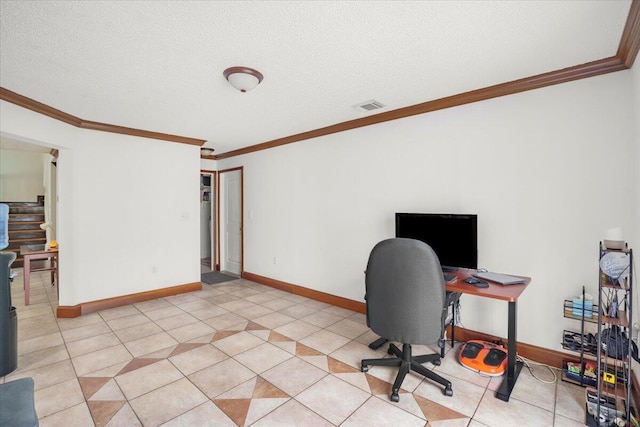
x=37, y=253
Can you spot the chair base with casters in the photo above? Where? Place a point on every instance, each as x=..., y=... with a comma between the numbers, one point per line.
x=407, y=362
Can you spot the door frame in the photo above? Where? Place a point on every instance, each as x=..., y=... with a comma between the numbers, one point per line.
x=218, y=222
x=214, y=201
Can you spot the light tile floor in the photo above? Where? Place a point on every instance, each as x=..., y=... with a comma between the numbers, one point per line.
x=239, y=353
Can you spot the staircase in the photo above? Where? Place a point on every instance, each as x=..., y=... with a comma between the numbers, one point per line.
x=24, y=227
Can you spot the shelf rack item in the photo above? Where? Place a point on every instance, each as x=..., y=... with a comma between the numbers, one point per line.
x=581, y=312
x=584, y=370
x=610, y=400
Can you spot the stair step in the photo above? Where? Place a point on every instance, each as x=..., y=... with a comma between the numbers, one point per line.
x=25, y=225
x=14, y=247
x=27, y=233
x=28, y=240
x=20, y=215
x=25, y=230
x=26, y=209
x=14, y=213
x=23, y=217
x=24, y=203
x=14, y=244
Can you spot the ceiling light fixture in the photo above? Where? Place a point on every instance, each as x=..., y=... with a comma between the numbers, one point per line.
x=243, y=78
x=204, y=151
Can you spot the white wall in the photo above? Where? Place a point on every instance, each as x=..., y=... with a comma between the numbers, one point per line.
x=21, y=175
x=128, y=208
x=547, y=171
x=50, y=198
x=209, y=165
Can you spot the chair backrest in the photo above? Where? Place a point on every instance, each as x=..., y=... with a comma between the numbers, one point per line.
x=4, y=225
x=405, y=292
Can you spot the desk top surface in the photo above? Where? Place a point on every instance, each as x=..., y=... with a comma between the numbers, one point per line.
x=495, y=290
x=35, y=249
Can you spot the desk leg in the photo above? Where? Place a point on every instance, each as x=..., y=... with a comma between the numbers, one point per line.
x=52, y=273
x=513, y=367
x=55, y=277
x=27, y=278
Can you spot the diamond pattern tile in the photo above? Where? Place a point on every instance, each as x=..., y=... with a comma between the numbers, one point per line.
x=103, y=411
x=239, y=354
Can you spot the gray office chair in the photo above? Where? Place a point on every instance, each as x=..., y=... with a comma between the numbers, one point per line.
x=452, y=301
x=406, y=302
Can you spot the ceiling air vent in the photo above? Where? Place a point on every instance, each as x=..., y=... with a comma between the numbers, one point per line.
x=369, y=106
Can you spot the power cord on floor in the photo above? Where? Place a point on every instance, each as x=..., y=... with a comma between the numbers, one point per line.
x=528, y=364
x=458, y=322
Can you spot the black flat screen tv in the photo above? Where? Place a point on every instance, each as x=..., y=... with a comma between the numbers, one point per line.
x=453, y=237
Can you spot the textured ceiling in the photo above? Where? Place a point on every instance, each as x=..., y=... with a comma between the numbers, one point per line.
x=158, y=66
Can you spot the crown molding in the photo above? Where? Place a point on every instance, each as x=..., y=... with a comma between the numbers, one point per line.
x=39, y=107
x=104, y=127
x=590, y=69
x=624, y=59
x=630, y=40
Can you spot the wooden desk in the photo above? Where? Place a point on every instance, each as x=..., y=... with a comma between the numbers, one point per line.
x=36, y=253
x=509, y=293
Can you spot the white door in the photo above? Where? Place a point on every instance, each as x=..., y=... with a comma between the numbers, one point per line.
x=231, y=221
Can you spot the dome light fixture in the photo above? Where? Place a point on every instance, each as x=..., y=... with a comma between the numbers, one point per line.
x=243, y=78
x=205, y=151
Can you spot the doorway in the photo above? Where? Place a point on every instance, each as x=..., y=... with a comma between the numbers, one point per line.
x=51, y=197
x=207, y=221
x=230, y=199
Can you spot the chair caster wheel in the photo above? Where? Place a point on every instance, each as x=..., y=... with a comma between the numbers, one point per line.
x=448, y=391
x=395, y=397
x=437, y=362
x=364, y=368
x=389, y=351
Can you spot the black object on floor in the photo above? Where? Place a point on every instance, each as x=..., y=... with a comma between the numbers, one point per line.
x=215, y=277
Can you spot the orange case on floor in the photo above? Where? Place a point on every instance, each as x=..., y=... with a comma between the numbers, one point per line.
x=483, y=357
